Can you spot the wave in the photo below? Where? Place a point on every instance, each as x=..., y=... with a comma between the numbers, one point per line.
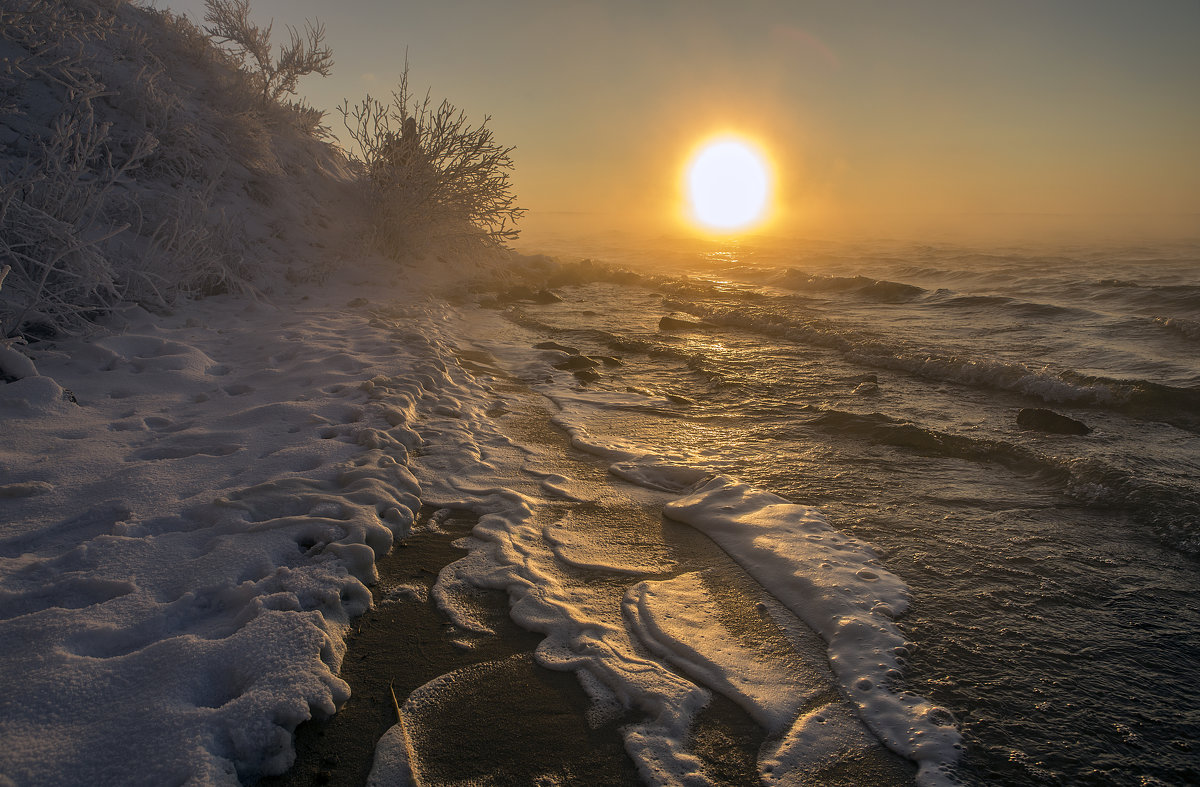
x=1185, y=297
x=1170, y=512
x=945, y=298
x=1189, y=329
x=1135, y=397
x=879, y=290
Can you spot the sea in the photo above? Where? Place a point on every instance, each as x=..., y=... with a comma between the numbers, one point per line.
x=1052, y=572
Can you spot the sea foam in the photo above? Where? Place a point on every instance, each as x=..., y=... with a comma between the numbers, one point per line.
x=832, y=582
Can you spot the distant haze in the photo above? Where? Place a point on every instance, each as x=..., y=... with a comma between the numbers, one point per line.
x=883, y=115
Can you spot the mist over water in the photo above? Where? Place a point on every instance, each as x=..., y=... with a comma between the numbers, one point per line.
x=1052, y=576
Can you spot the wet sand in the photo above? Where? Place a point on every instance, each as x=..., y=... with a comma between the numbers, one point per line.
x=506, y=719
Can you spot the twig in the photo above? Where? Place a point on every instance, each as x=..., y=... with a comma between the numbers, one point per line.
x=395, y=702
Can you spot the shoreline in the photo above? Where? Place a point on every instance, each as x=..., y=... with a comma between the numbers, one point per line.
x=405, y=642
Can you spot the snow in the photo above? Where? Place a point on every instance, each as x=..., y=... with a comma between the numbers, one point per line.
x=193, y=499
x=183, y=545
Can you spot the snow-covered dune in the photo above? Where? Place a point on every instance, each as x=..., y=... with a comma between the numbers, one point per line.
x=194, y=490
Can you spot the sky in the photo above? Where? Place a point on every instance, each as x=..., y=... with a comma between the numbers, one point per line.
x=871, y=111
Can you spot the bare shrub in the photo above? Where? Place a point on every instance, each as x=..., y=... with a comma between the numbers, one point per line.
x=431, y=171
x=229, y=24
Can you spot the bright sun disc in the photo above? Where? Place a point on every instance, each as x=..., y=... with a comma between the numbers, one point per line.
x=728, y=184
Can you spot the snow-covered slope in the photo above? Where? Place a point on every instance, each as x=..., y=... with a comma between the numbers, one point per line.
x=190, y=509
x=139, y=165
x=193, y=492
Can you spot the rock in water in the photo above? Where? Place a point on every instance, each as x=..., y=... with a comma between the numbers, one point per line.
x=586, y=375
x=1049, y=421
x=671, y=322
x=523, y=293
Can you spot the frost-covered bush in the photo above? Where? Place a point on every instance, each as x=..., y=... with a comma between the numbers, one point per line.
x=229, y=25
x=432, y=173
x=56, y=206
x=130, y=146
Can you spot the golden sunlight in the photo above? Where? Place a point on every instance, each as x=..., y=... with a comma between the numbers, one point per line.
x=728, y=184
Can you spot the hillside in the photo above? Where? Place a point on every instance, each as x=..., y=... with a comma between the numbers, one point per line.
x=208, y=381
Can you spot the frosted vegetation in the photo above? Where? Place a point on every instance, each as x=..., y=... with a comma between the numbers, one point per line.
x=454, y=187
x=128, y=128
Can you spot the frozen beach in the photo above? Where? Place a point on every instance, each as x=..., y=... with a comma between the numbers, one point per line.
x=306, y=478
x=193, y=514
x=191, y=531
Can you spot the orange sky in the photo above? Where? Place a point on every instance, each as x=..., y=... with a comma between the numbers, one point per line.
x=874, y=111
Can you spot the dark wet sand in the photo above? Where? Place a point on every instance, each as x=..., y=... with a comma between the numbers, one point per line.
x=508, y=721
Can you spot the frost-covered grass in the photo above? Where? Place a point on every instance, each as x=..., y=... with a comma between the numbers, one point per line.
x=206, y=390
x=128, y=134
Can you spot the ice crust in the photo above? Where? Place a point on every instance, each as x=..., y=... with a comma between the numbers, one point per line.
x=467, y=462
x=833, y=583
x=837, y=586
x=677, y=619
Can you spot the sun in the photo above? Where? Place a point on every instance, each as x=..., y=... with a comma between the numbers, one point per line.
x=728, y=184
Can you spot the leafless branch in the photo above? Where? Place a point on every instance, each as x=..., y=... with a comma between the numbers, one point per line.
x=441, y=176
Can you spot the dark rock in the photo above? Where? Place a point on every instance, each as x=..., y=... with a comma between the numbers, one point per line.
x=680, y=324
x=1043, y=420
x=609, y=360
x=556, y=346
x=518, y=293
x=586, y=375
x=545, y=296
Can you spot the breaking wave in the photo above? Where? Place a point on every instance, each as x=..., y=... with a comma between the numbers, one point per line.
x=1172, y=513
x=1141, y=398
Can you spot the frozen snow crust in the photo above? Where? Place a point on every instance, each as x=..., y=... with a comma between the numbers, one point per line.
x=184, y=542
x=837, y=586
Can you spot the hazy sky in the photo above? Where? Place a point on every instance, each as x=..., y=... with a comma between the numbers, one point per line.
x=869, y=108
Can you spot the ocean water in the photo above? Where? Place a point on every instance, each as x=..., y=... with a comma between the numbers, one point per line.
x=1051, y=580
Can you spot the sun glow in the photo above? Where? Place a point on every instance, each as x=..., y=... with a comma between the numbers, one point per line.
x=728, y=185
